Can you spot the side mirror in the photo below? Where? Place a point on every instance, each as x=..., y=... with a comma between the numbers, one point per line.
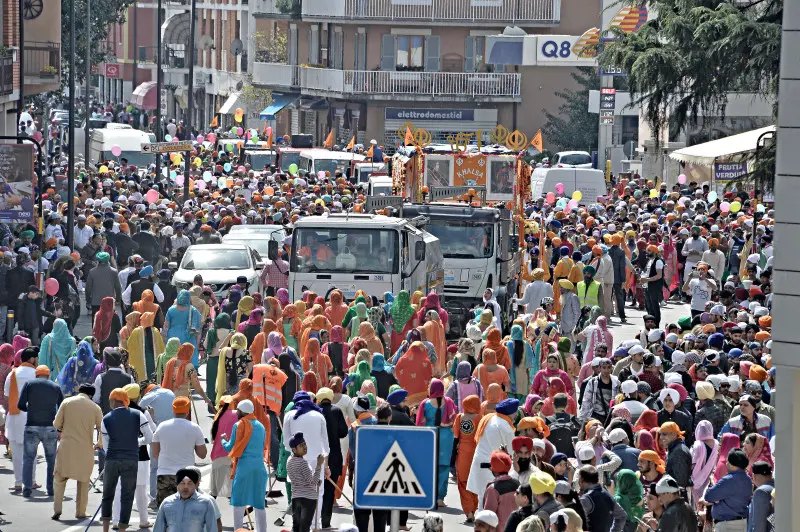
x=513, y=243
x=419, y=251
x=172, y=265
x=260, y=265
x=272, y=250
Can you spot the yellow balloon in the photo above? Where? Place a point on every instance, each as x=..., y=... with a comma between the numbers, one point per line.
x=653, y=193
x=577, y=195
x=238, y=118
x=736, y=206
x=103, y=169
x=197, y=161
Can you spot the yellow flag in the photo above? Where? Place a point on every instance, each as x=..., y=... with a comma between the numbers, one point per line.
x=537, y=141
x=214, y=122
x=328, y=140
x=351, y=144
x=409, y=140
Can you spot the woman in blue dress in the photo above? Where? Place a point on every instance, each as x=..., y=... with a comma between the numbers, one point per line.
x=246, y=450
x=78, y=370
x=183, y=322
x=440, y=412
x=57, y=346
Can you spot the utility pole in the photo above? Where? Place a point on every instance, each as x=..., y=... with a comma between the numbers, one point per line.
x=21, y=102
x=187, y=161
x=159, y=83
x=134, y=83
x=88, y=111
x=71, y=169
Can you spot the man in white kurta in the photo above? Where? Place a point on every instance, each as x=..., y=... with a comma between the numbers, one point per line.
x=308, y=419
x=497, y=433
x=16, y=419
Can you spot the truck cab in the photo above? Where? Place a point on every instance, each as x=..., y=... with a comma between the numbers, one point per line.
x=259, y=159
x=363, y=251
x=480, y=246
x=362, y=172
x=379, y=185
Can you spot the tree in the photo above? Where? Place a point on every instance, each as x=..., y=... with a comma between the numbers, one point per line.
x=292, y=8
x=574, y=127
x=686, y=61
x=103, y=15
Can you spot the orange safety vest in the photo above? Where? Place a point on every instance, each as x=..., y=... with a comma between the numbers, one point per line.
x=268, y=381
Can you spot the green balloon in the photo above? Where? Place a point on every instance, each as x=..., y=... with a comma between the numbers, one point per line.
x=229, y=147
x=292, y=168
x=233, y=130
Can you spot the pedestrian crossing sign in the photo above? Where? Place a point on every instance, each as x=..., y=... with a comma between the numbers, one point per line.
x=395, y=467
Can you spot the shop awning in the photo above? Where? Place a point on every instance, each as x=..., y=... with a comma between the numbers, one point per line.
x=230, y=104
x=279, y=101
x=722, y=149
x=144, y=96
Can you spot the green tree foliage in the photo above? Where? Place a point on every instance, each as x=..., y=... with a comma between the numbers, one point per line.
x=104, y=13
x=685, y=61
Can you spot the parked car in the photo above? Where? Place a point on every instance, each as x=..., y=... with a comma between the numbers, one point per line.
x=219, y=265
x=571, y=159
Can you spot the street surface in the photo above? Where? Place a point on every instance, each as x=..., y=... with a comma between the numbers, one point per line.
x=34, y=514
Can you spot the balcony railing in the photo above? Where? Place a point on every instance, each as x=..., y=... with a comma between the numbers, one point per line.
x=388, y=84
x=540, y=12
x=42, y=59
x=6, y=74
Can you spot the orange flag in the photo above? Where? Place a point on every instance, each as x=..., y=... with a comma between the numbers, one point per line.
x=351, y=144
x=409, y=140
x=269, y=140
x=214, y=122
x=370, y=152
x=537, y=141
x=328, y=140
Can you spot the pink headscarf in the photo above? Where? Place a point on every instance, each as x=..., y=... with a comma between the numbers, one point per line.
x=7, y=354
x=599, y=335
x=729, y=441
x=274, y=347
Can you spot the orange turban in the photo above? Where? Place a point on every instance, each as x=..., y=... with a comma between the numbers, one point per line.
x=757, y=373
x=763, y=336
x=181, y=405
x=652, y=249
x=42, y=371
x=652, y=456
x=556, y=242
x=118, y=394
x=537, y=423
x=671, y=426
x=765, y=321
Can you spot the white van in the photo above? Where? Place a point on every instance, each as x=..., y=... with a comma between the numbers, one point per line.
x=315, y=160
x=123, y=135
x=591, y=183
x=379, y=185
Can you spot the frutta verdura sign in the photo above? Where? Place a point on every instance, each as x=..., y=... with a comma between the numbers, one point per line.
x=16, y=183
x=729, y=171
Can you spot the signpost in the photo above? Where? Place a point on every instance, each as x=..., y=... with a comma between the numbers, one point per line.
x=395, y=469
x=167, y=147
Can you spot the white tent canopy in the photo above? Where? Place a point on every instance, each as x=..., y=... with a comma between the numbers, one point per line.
x=708, y=153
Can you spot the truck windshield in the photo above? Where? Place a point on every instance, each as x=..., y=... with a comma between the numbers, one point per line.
x=345, y=250
x=260, y=160
x=462, y=240
x=330, y=165
x=288, y=158
x=135, y=158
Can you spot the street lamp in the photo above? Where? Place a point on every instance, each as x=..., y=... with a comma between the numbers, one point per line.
x=71, y=167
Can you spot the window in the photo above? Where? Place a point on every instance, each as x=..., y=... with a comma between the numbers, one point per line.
x=480, y=53
x=335, y=250
x=409, y=52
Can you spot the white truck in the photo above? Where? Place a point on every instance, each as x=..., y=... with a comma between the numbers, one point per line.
x=480, y=246
x=370, y=252
x=128, y=139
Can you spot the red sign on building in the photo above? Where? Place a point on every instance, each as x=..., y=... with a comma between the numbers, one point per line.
x=112, y=71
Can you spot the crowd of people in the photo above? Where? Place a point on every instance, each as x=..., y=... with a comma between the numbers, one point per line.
x=545, y=420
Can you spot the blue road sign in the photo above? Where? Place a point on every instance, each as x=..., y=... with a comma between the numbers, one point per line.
x=395, y=467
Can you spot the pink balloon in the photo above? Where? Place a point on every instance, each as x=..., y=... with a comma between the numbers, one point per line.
x=682, y=179
x=572, y=204
x=559, y=188
x=242, y=169
x=179, y=180
x=200, y=185
x=151, y=196
x=725, y=206
x=116, y=151
x=51, y=287
x=200, y=139
x=550, y=197
x=269, y=131
x=321, y=174
x=212, y=137
x=239, y=131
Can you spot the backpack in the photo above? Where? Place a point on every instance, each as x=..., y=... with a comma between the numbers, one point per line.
x=563, y=427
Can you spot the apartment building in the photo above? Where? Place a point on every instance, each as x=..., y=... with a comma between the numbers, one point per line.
x=368, y=67
x=220, y=63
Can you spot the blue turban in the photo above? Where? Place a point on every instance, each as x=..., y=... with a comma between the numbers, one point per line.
x=716, y=340
x=577, y=256
x=556, y=224
x=564, y=251
x=397, y=397
x=507, y=407
x=147, y=271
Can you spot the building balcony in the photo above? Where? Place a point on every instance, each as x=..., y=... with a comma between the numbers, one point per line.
x=42, y=64
x=389, y=85
x=6, y=74
x=436, y=12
